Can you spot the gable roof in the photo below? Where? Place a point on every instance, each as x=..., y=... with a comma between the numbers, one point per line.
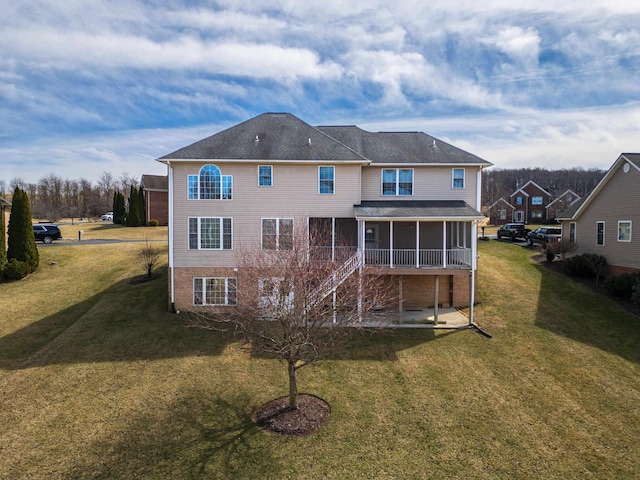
x=155, y=182
x=530, y=182
x=579, y=206
x=284, y=137
x=501, y=199
x=561, y=197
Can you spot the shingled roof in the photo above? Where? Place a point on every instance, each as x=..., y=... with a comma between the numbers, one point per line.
x=284, y=137
x=419, y=209
x=155, y=182
x=270, y=136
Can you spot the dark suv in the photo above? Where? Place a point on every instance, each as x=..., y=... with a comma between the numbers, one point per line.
x=46, y=233
x=544, y=235
x=513, y=231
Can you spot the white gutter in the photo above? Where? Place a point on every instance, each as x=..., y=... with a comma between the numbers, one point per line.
x=171, y=269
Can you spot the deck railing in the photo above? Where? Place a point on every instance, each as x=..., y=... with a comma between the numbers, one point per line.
x=402, y=257
x=426, y=258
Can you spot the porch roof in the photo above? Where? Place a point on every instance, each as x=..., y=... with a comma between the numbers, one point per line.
x=424, y=210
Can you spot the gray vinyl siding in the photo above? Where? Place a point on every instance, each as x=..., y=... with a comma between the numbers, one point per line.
x=429, y=183
x=619, y=200
x=294, y=194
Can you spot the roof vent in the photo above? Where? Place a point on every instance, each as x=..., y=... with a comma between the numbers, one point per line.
x=309, y=140
x=434, y=143
x=257, y=139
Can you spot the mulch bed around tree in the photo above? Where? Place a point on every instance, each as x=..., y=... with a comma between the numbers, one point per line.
x=275, y=416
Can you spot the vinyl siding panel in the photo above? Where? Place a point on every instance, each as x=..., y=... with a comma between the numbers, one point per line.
x=619, y=200
x=294, y=194
x=429, y=183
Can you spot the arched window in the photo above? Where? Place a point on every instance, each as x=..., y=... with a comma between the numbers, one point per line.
x=210, y=184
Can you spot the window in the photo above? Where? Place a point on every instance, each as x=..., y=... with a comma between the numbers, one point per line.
x=274, y=293
x=215, y=291
x=537, y=215
x=277, y=233
x=326, y=177
x=502, y=214
x=397, y=181
x=518, y=200
x=265, y=175
x=458, y=178
x=572, y=232
x=599, y=233
x=536, y=200
x=209, y=184
x=210, y=233
x=624, y=231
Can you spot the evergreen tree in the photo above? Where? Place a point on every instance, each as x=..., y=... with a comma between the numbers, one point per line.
x=118, y=208
x=21, y=242
x=133, y=216
x=3, y=245
x=143, y=216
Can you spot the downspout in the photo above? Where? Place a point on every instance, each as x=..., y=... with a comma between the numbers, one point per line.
x=474, y=267
x=171, y=268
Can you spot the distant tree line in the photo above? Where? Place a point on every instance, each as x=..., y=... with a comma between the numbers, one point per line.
x=53, y=197
x=498, y=183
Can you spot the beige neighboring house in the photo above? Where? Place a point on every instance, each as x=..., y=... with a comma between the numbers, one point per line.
x=404, y=202
x=607, y=222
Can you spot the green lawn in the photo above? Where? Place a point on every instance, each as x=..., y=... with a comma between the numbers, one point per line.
x=97, y=380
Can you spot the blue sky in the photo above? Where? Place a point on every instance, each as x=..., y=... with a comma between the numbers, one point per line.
x=88, y=87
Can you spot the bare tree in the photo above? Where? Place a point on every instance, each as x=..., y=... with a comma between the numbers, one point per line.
x=295, y=305
x=149, y=257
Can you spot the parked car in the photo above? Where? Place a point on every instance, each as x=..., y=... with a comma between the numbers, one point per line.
x=513, y=231
x=107, y=217
x=544, y=235
x=46, y=233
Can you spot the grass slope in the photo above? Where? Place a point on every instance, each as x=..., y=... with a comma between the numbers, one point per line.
x=97, y=380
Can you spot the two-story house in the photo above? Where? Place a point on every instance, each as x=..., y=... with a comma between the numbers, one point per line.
x=607, y=221
x=405, y=202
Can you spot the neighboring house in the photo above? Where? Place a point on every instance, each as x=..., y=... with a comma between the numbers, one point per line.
x=156, y=198
x=405, y=203
x=607, y=221
x=500, y=212
x=561, y=203
x=529, y=203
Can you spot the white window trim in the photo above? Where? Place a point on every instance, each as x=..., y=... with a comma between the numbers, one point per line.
x=277, y=219
x=397, y=189
x=204, y=296
x=630, y=230
x=271, y=176
x=604, y=232
x=333, y=180
x=270, y=299
x=222, y=178
x=575, y=233
x=464, y=178
x=200, y=236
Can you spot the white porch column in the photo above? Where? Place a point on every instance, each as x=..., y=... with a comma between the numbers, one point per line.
x=361, y=244
x=435, y=305
x=444, y=244
x=417, y=243
x=401, y=302
x=391, y=243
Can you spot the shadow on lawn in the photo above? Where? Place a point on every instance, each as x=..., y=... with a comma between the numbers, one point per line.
x=122, y=323
x=199, y=435
x=569, y=308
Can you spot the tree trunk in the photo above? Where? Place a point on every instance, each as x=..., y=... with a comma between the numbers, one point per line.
x=293, y=385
